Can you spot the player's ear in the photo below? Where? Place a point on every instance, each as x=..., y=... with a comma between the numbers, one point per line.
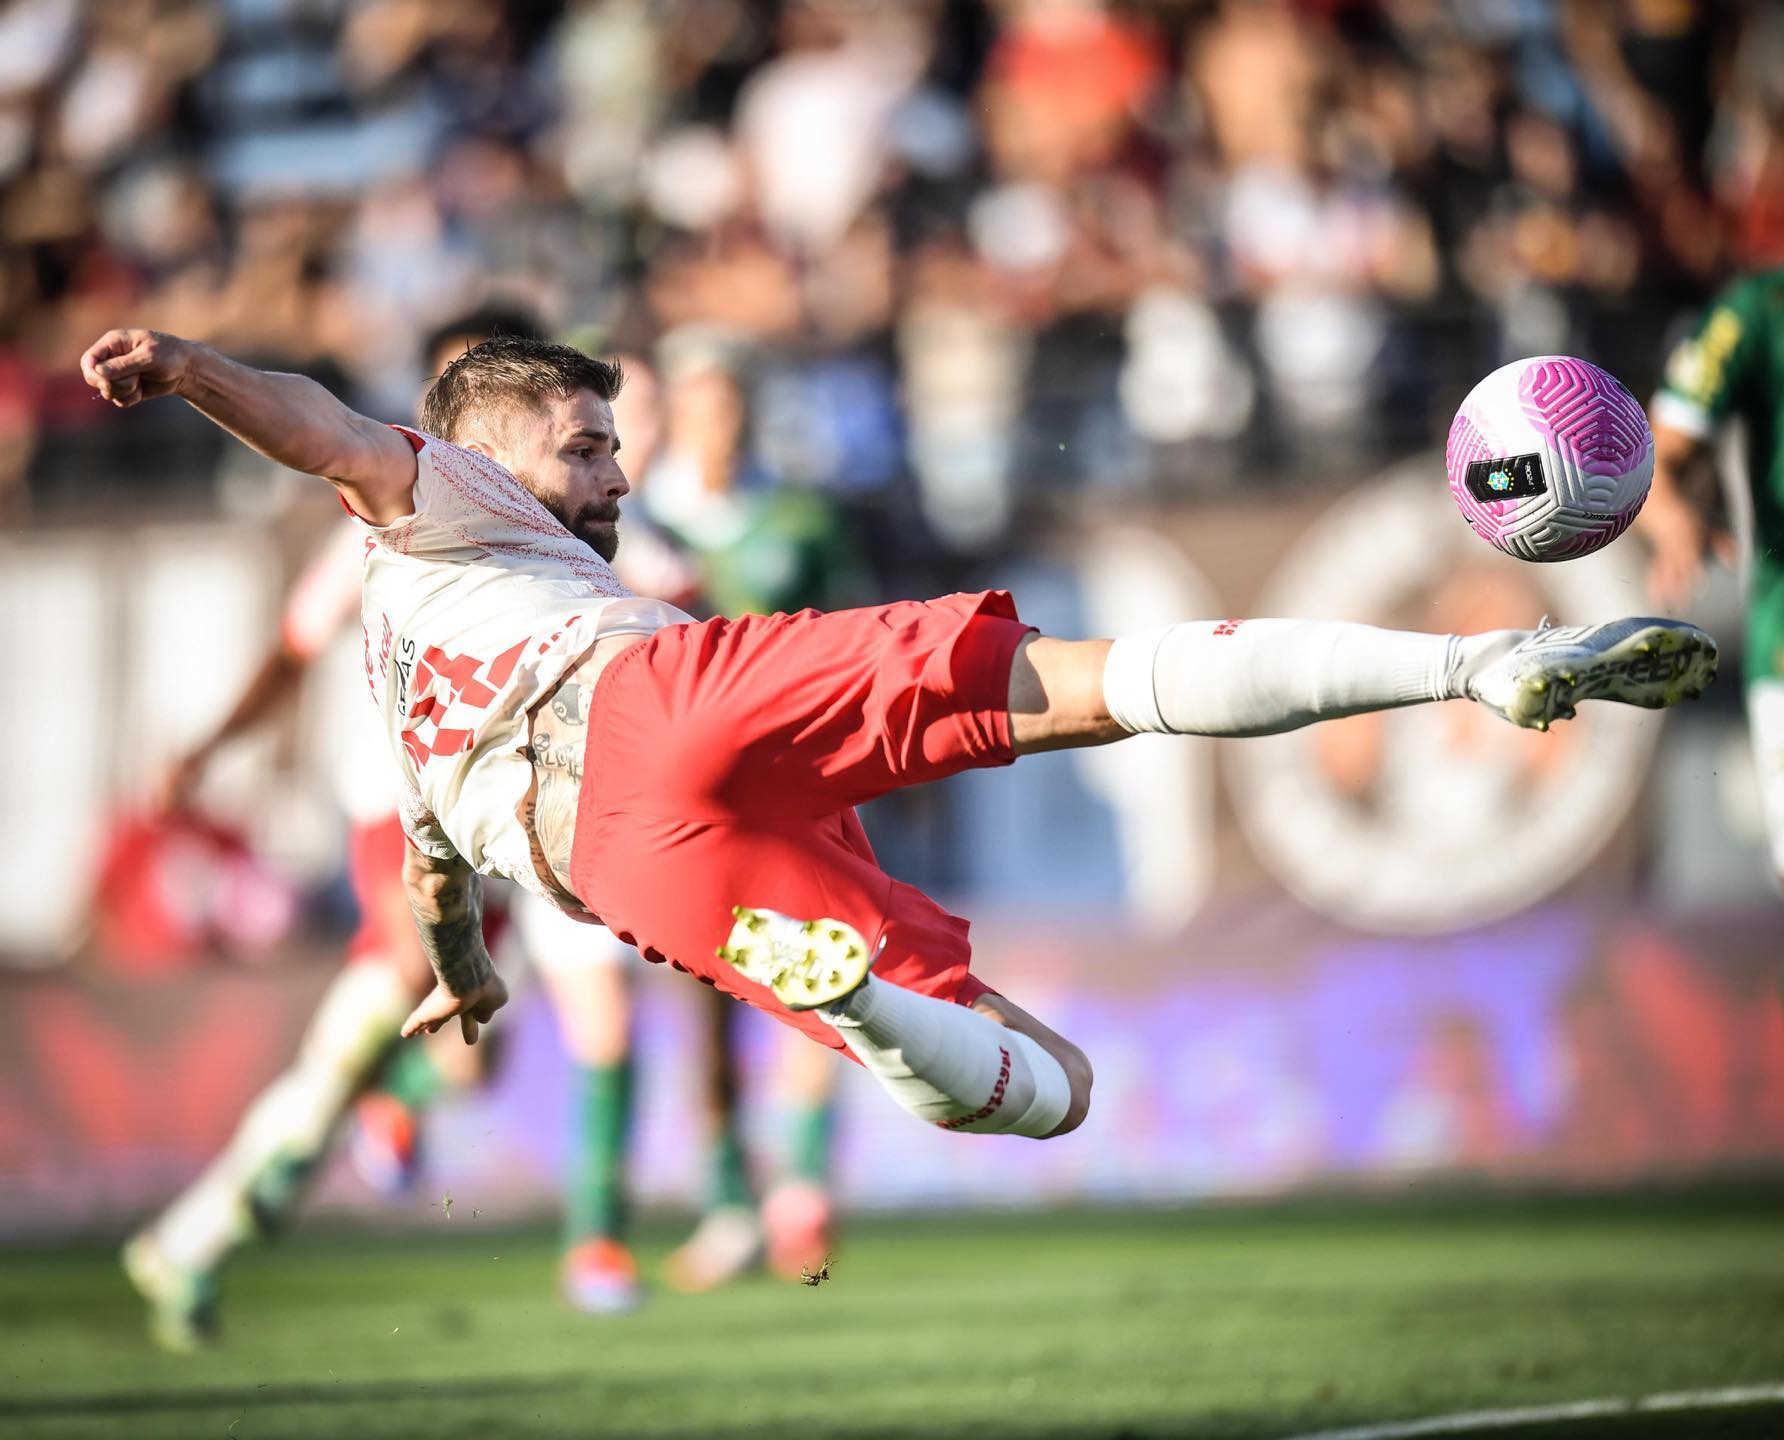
x=481, y=433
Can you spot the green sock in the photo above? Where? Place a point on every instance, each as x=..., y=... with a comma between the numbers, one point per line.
x=809, y=1129
x=595, y=1205
x=730, y=1177
x=411, y=1077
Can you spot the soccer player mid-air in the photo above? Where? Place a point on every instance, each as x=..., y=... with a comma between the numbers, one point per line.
x=253, y=1186
x=691, y=785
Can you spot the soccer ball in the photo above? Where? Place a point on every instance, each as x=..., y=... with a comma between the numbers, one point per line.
x=1549, y=458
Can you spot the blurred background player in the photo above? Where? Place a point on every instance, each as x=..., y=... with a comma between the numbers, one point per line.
x=260, y=1175
x=756, y=546
x=752, y=544
x=759, y=547
x=1731, y=368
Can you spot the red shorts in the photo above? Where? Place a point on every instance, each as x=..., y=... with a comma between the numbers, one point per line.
x=375, y=852
x=375, y=870
x=725, y=758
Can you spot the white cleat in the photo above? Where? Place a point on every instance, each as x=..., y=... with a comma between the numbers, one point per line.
x=182, y=1300
x=727, y=1244
x=806, y=963
x=1651, y=663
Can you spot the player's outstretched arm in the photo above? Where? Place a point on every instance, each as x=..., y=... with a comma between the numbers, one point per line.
x=1676, y=520
x=447, y=900
x=287, y=418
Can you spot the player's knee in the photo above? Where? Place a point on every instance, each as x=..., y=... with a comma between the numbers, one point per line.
x=1079, y=1076
x=1056, y=695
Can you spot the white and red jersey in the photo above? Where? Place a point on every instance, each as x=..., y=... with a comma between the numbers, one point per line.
x=324, y=598
x=476, y=605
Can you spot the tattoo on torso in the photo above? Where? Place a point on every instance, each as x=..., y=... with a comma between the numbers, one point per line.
x=558, y=741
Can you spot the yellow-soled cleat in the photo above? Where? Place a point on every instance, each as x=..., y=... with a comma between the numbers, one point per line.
x=806, y=963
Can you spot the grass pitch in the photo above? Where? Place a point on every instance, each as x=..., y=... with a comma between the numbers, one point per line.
x=1209, y=1323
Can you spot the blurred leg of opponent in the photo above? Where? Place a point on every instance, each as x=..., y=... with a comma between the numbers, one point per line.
x=588, y=975
x=252, y=1186
x=797, y=1212
x=726, y=1243
x=1765, y=718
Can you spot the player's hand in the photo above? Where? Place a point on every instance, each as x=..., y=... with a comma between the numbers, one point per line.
x=1677, y=542
x=1725, y=548
x=472, y=1009
x=1674, y=569
x=128, y=366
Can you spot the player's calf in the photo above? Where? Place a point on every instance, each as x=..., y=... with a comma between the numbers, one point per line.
x=954, y=1067
x=1073, y=1061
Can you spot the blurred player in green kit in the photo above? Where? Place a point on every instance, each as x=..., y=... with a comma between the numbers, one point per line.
x=1730, y=368
x=757, y=547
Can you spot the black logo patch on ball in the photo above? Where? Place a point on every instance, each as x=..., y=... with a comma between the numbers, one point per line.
x=1511, y=477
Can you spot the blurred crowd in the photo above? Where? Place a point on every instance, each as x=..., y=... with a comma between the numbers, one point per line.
x=960, y=262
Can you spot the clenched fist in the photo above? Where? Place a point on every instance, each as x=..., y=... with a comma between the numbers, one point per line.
x=126, y=366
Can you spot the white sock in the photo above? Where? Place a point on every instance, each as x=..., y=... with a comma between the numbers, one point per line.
x=1260, y=677
x=285, y=1131
x=950, y=1065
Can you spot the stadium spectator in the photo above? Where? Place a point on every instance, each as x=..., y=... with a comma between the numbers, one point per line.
x=1292, y=201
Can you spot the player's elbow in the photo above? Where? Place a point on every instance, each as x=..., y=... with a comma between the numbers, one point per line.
x=374, y=468
x=434, y=885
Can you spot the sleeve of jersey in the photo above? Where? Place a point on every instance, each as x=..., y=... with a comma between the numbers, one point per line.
x=427, y=529
x=463, y=501
x=467, y=505
x=1708, y=370
x=421, y=828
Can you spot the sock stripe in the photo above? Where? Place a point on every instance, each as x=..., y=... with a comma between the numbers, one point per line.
x=991, y=1106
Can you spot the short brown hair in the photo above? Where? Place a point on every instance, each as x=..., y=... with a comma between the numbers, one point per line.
x=512, y=369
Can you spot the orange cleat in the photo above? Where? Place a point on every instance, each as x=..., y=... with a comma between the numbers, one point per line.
x=599, y=1277
x=385, y=1144
x=797, y=1218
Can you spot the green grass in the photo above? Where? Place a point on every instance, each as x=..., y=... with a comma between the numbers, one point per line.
x=1215, y=1323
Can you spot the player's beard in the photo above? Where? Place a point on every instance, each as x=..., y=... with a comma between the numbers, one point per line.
x=595, y=524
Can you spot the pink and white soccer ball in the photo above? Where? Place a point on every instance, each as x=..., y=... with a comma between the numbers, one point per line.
x=1549, y=458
